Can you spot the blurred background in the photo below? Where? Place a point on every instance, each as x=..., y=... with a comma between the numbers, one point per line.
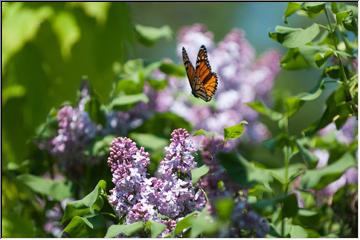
x=48, y=47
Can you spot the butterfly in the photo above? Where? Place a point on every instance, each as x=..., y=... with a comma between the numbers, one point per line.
x=203, y=82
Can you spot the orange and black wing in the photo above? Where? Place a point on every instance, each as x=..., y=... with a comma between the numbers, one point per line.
x=208, y=79
x=190, y=70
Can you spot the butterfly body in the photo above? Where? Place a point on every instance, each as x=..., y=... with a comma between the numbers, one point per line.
x=203, y=82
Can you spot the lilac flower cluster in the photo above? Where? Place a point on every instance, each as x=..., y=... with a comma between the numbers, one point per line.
x=242, y=79
x=171, y=193
x=75, y=132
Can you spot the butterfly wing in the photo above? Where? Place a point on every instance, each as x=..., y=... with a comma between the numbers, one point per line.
x=190, y=70
x=208, y=79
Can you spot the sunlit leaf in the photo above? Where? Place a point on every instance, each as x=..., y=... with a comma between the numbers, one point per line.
x=224, y=208
x=20, y=25
x=128, y=230
x=98, y=10
x=67, y=30
x=149, y=35
x=126, y=101
x=235, y=131
x=197, y=173
x=264, y=110
x=291, y=8
x=89, y=204
x=203, y=223
x=295, y=37
x=14, y=91
x=184, y=223
x=79, y=227
x=155, y=228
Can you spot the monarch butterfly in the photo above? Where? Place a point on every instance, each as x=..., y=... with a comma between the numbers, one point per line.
x=203, y=82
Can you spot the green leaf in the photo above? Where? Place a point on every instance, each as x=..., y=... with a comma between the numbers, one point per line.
x=313, y=7
x=158, y=84
x=13, y=91
x=308, y=156
x=203, y=223
x=49, y=128
x=149, y=140
x=341, y=16
x=204, y=133
x=127, y=101
x=293, y=104
x=197, y=173
x=20, y=25
x=92, y=226
x=150, y=35
x=89, y=204
x=313, y=94
x=184, y=223
x=243, y=172
x=101, y=146
x=172, y=69
x=155, y=228
x=128, y=230
x=58, y=190
x=333, y=72
x=264, y=110
x=301, y=37
x=322, y=57
x=94, y=108
x=97, y=10
x=294, y=60
x=337, y=110
x=319, y=178
x=298, y=232
x=224, y=208
x=295, y=37
x=291, y=8
x=308, y=218
x=79, y=227
x=131, y=77
x=235, y=131
x=67, y=30
x=294, y=171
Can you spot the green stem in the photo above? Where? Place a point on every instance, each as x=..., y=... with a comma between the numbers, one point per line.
x=343, y=76
x=286, y=152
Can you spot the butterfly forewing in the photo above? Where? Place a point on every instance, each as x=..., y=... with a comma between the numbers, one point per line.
x=190, y=70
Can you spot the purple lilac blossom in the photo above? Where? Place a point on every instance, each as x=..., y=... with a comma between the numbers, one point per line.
x=171, y=193
x=242, y=79
x=75, y=132
x=128, y=166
